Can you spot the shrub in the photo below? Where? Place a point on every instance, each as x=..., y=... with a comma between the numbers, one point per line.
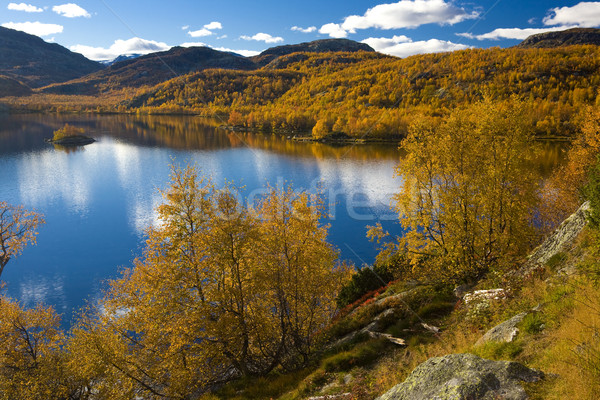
x=369, y=279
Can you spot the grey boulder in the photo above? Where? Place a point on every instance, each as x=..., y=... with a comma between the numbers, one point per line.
x=464, y=377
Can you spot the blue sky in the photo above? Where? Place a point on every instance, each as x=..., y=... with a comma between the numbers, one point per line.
x=104, y=29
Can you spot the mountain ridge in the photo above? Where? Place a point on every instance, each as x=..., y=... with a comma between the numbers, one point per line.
x=569, y=37
x=31, y=61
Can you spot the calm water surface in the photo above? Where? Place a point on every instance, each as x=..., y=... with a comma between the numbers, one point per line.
x=98, y=200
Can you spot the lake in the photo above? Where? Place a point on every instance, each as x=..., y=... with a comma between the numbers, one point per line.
x=98, y=200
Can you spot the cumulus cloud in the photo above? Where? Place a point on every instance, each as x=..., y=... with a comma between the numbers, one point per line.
x=304, y=30
x=35, y=28
x=512, y=33
x=206, y=30
x=333, y=30
x=584, y=14
x=71, y=10
x=185, y=27
x=245, y=53
x=402, y=46
x=121, y=47
x=403, y=14
x=263, y=37
x=24, y=7
x=384, y=43
x=213, y=25
x=200, y=33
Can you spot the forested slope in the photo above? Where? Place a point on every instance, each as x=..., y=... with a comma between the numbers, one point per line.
x=378, y=96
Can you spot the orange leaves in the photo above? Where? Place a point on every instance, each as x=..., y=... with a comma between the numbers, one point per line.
x=18, y=227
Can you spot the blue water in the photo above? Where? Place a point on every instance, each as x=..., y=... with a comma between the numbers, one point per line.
x=98, y=200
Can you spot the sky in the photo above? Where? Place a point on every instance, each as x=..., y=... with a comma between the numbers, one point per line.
x=105, y=29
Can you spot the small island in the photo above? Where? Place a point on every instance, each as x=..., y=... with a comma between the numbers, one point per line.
x=70, y=136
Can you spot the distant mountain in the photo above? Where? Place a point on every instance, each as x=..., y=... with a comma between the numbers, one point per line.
x=563, y=38
x=122, y=57
x=152, y=69
x=317, y=46
x=31, y=61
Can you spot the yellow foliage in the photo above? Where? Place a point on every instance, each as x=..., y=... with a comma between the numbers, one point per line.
x=18, y=227
x=30, y=358
x=66, y=131
x=468, y=193
x=222, y=292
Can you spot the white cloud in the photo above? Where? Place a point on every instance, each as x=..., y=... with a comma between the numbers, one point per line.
x=245, y=53
x=381, y=43
x=584, y=14
x=402, y=46
x=304, y=30
x=206, y=30
x=71, y=10
x=121, y=47
x=263, y=37
x=333, y=30
x=200, y=33
x=24, y=7
x=408, y=14
x=35, y=28
x=213, y=25
x=512, y=33
x=222, y=37
x=185, y=27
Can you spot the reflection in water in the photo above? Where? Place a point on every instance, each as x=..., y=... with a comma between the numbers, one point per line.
x=99, y=202
x=50, y=176
x=43, y=290
x=68, y=149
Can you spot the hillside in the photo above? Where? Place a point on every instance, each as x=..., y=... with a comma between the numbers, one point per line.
x=367, y=93
x=152, y=69
x=569, y=37
x=317, y=46
x=33, y=62
x=12, y=87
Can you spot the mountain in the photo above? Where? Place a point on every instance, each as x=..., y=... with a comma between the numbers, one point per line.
x=562, y=38
x=317, y=46
x=152, y=69
x=122, y=57
x=31, y=61
x=156, y=68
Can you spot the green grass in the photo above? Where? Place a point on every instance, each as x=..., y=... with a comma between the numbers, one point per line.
x=361, y=355
x=499, y=350
x=533, y=323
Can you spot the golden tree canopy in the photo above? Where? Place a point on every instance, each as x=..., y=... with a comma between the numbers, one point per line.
x=468, y=193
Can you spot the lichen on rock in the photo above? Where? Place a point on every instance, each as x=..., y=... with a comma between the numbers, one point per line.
x=464, y=376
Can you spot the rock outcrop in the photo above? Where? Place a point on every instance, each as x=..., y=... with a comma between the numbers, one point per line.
x=462, y=377
x=505, y=332
x=567, y=37
x=562, y=238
